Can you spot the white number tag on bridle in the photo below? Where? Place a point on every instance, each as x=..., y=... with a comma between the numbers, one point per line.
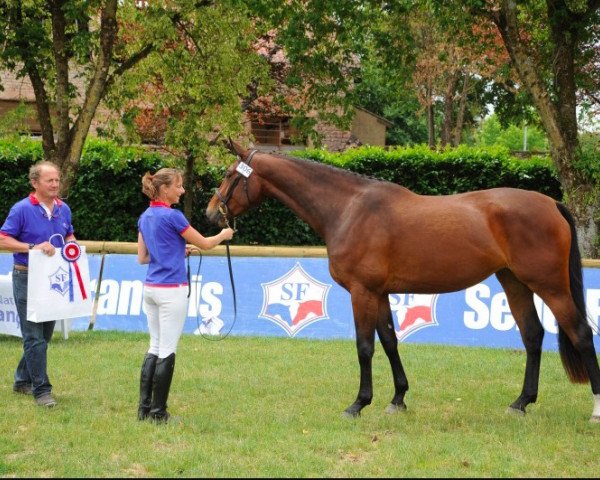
x=244, y=169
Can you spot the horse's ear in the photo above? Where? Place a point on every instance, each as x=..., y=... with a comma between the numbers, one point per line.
x=236, y=148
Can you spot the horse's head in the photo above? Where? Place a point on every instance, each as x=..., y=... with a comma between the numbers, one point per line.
x=238, y=191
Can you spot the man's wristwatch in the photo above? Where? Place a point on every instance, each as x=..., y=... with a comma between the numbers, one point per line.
x=31, y=245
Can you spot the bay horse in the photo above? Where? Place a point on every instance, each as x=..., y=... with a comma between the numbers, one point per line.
x=382, y=238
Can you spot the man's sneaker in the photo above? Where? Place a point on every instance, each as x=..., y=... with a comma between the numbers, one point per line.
x=46, y=400
x=24, y=389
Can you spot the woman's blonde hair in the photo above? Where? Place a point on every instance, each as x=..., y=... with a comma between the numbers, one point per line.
x=165, y=176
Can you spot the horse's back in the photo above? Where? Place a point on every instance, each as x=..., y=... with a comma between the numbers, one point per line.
x=396, y=240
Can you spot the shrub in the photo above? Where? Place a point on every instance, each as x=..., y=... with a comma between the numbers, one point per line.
x=106, y=196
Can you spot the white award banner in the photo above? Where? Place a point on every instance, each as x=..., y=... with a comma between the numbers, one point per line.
x=58, y=289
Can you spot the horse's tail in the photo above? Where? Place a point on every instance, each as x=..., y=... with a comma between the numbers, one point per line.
x=570, y=356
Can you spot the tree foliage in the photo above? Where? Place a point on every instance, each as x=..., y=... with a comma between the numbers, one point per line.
x=65, y=47
x=552, y=45
x=324, y=42
x=188, y=94
x=492, y=132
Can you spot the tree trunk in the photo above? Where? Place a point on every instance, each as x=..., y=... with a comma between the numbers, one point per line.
x=449, y=109
x=558, y=116
x=460, y=116
x=430, y=117
x=189, y=179
x=61, y=61
x=94, y=93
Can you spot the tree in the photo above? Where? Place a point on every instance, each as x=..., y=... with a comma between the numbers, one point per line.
x=552, y=44
x=444, y=69
x=453, y=69
x=324, y=43
x=384, y=82
x=491, y=132
x=313, y=50
x=211, y=67
x=51, y=41
x=380, y=93
x=74, y=52
x=187, y=94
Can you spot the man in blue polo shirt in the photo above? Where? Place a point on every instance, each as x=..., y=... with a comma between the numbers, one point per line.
x=30, y=224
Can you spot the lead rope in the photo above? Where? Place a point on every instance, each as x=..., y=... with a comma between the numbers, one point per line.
x=213, y=338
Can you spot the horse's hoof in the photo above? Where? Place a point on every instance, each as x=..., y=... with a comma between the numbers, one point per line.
x=515, y=411
x=347, y=414
x=392, y=408
x=595, y=419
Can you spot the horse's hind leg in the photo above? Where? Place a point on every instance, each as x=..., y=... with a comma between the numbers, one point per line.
x=576, y=345
x=520, y=300
x=389, y=341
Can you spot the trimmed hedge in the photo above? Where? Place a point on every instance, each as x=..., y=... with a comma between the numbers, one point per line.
x=106, y=197
x=455, y=170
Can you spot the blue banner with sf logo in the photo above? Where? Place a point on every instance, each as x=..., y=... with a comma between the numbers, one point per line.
x=296, y=297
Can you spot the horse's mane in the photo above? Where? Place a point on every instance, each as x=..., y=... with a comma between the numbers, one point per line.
x=318, y=168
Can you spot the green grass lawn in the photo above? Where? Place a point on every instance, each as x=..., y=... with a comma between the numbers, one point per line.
x=271, y=407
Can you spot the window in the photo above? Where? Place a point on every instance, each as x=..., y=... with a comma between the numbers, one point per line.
x=273, y=131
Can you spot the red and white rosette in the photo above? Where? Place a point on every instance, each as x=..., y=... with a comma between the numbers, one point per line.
x=71, y=252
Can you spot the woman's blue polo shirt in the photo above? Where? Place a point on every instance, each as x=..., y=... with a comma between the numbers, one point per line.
x=28, y=222
x=161, y=227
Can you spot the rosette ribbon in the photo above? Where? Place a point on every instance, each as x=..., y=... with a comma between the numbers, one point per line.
x=71, y=252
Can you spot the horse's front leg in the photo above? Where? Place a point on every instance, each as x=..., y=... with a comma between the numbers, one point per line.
x=389, y=341
x=365, y=346
x=364, y=307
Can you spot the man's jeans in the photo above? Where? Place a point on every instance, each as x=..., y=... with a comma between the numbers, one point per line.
x=36, y=336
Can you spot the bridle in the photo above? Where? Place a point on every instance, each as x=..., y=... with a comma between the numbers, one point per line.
x=244, y=173
x=223, y=208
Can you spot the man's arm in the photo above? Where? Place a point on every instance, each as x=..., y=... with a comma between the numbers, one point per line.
x=12, y=244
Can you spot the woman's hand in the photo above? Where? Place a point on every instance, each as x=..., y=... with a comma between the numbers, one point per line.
x=189, y=249
x=227, y=233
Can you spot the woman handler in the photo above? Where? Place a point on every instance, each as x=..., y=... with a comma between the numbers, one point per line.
x=162, y=237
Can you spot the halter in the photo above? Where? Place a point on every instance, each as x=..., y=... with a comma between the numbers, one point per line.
x=223, y=209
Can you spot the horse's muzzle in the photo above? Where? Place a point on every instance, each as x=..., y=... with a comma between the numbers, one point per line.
x=213, y=214
x=217, y=216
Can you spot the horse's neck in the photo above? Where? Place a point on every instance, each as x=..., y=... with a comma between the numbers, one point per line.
x=316, y=193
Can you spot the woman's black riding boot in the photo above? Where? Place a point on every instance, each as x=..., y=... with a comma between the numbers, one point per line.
x=146, y=376
x=163, y=374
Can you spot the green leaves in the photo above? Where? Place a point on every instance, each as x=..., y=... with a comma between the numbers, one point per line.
x=455, y=170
